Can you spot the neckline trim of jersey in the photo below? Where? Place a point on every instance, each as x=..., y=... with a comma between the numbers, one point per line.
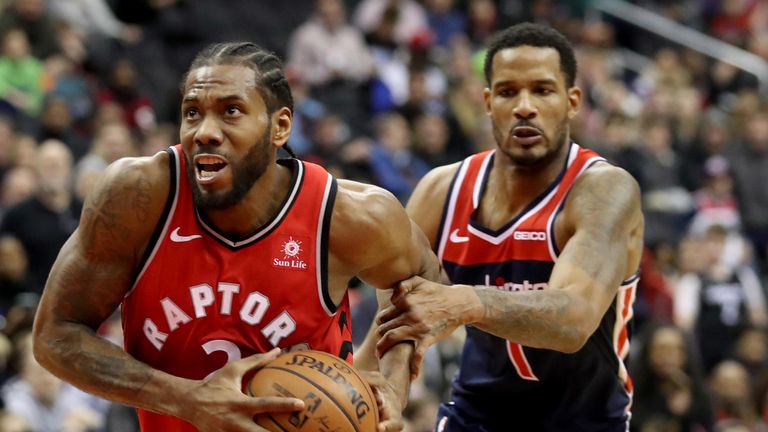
x=297, y=176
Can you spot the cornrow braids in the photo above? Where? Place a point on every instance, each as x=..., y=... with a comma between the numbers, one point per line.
x=270, y=77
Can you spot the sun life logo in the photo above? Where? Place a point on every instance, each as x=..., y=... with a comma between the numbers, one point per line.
x=291, y=248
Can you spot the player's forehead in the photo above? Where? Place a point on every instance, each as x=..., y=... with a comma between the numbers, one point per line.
x=527, y=63
x=217, y=80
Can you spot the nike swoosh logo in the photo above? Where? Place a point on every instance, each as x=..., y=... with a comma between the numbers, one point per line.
x=456, y=238
x=178, y=238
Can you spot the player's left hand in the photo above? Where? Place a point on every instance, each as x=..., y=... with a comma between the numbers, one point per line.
x=424, y=312
x=390, y=408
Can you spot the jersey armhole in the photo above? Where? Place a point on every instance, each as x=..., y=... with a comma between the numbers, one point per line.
x=324, y=230
x=160, y=227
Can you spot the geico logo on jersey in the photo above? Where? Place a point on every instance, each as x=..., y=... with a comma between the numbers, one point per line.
x=530, y=235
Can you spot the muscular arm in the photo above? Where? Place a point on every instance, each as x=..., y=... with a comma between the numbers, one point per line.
x=602, y=223
x=603, y=213
x=374, y=236
x=88, y=281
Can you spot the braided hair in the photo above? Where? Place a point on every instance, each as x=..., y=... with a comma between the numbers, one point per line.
x=270, y=77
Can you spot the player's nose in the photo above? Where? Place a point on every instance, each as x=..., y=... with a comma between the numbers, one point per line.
x=209, y=132
x=524, y=107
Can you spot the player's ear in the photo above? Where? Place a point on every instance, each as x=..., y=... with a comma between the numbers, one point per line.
x=487, y=95
x=282, y=122
x=574, y=101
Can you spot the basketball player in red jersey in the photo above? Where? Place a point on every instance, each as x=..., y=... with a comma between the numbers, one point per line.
x=218, y=253
x=542, y=239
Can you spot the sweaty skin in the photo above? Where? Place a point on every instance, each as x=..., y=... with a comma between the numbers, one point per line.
x=223, y=114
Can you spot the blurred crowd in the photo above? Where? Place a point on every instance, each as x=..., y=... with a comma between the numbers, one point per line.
x=384, y=91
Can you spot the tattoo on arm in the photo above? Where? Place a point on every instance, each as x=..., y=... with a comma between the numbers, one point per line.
x=527, y=318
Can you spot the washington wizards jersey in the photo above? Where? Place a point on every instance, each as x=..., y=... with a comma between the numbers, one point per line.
x=503, y=386
x=202, y=300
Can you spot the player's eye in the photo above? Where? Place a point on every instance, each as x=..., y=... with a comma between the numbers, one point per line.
x=190, y=113
x=233, y=110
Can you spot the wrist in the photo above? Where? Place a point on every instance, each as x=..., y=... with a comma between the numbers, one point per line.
x=177, y=399
x=474, y=310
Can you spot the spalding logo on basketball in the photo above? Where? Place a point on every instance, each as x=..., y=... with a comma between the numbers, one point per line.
x=336, y=397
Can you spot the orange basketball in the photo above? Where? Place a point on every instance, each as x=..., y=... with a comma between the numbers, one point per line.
x=336, y=397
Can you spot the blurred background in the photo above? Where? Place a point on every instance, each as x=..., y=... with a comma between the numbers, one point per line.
x=676, y=92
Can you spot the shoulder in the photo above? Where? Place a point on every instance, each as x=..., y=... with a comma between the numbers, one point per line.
x=126, y=203
x=131, y=169
x=606, y=178
x=368, y=222
x=428, y=199
x=367, y=208
x=607, y=193
x=439, y=179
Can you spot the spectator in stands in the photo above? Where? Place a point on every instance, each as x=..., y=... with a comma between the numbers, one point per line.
x=327, y=48
x=122, y=88
x=111, y=142
x=66, y=81
x=161, y=137
x=669, y=394
x=619, y=143
x=446, y=21
x=410, y=18
x=713, y=139
x=749, y=162
x=17, y=185
x=716, y=203
x=306, y=111
x=21, y=75
x=56, y=122
x=14, y=275
x=95, y=20
x=430, y=140
x=719, y=302
x=751, y=351
x=666, y=204
x=467, y=107
x=45, y=402
x=33, y=18
x=731, y=23
x=330, y=56
x=732, y=397
x=24, y=151
x=726, y=81
x=43, y=222
x=393, y=162
x=426, y=90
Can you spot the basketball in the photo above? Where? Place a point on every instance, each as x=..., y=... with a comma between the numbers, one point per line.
x=337, y=398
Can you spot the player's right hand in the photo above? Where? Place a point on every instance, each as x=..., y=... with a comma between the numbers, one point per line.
x=218, y=403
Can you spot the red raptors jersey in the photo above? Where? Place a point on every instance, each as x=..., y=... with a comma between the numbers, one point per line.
x=542, y=390
x=202, y=299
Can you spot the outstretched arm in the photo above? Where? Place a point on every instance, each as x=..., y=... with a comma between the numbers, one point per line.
x=87, y=283
x=603, y=223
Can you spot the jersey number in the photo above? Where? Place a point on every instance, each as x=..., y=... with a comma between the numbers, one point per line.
x=520, y=362
x=232, y=350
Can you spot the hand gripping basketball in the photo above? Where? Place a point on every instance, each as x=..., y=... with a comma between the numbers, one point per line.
x=336, y=396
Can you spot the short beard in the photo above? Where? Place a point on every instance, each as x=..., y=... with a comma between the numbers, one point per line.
x=245, y=173
x=533, y=161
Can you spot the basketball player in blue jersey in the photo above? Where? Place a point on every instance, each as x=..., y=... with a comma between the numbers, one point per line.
x=541, y=240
